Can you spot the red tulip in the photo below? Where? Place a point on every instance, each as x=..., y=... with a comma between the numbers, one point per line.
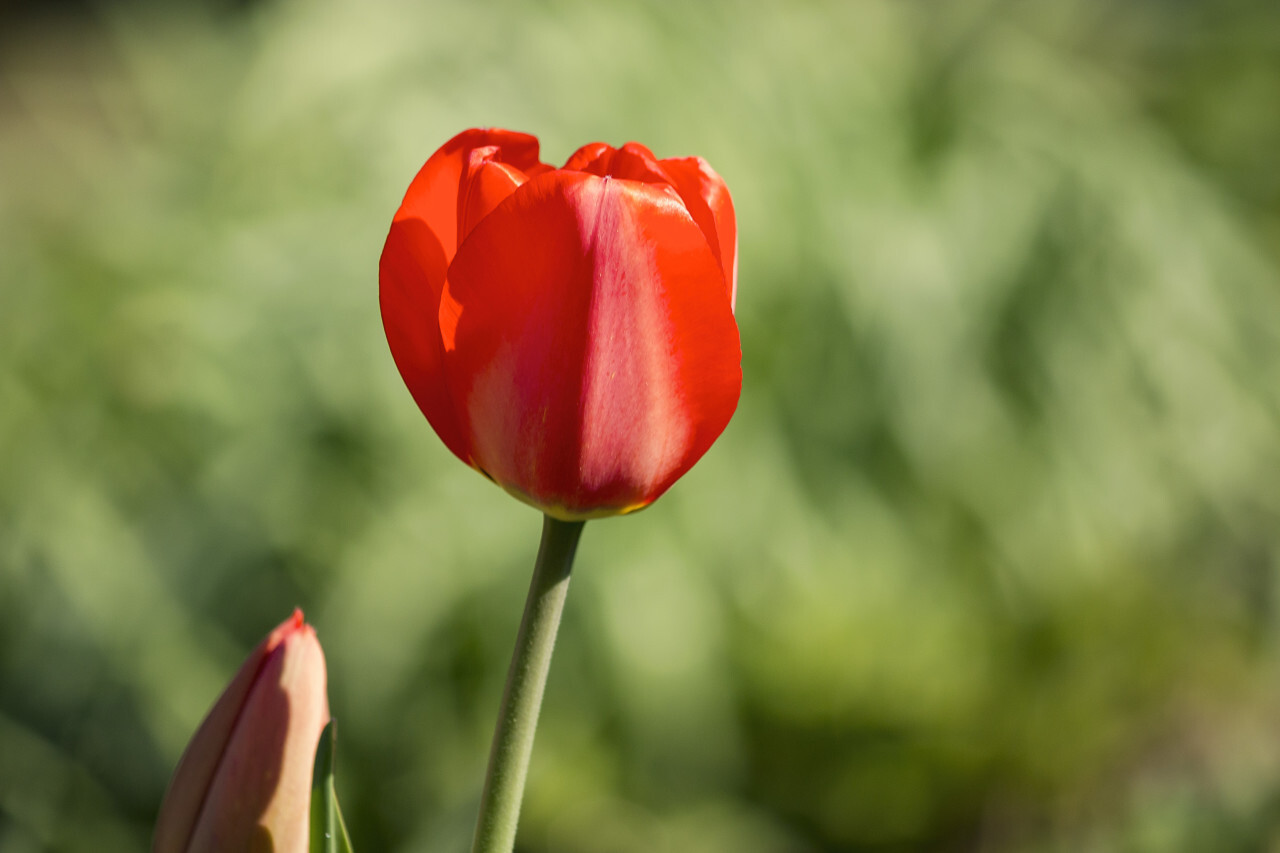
x=567, y=332
x=244, y=782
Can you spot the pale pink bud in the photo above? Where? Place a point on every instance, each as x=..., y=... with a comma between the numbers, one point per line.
x=244, y=782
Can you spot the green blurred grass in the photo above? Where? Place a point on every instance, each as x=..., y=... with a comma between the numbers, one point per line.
x=986, y=561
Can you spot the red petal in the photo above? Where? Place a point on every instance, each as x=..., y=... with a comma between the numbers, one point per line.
x=593, y=356
x=579, y=160
x=485, y=183
x=433, y=195
x=411, y=275
x=422, y=241
x=705, y=194
x=632, y=161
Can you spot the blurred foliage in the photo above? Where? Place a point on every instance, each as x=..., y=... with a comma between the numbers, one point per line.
x=987, y=560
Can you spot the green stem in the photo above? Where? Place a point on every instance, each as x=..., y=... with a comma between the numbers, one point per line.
x=518, y=716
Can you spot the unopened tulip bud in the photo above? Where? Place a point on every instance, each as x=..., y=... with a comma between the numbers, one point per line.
x=244, y=782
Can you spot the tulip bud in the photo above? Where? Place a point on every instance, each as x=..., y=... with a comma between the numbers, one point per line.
x=244, y=782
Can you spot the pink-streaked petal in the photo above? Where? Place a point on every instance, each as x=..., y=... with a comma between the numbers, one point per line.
x=592, y=353
x=705, y=194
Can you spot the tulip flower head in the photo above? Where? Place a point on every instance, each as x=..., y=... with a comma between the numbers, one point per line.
x=567, y=332
x=244, y=782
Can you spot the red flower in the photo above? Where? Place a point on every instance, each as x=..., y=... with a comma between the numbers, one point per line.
x=244, y=782
x=567, y=332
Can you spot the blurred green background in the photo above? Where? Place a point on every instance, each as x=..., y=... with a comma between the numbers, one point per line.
x=987, y=560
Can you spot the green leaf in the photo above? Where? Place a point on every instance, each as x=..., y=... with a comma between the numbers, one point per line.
x=328, y=831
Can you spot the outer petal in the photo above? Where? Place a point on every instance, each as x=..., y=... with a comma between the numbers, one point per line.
x=705, y=194
x=411, y=275
x=411, y=271
x=590, y=350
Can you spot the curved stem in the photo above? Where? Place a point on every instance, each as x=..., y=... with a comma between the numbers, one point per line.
x=526, y=680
